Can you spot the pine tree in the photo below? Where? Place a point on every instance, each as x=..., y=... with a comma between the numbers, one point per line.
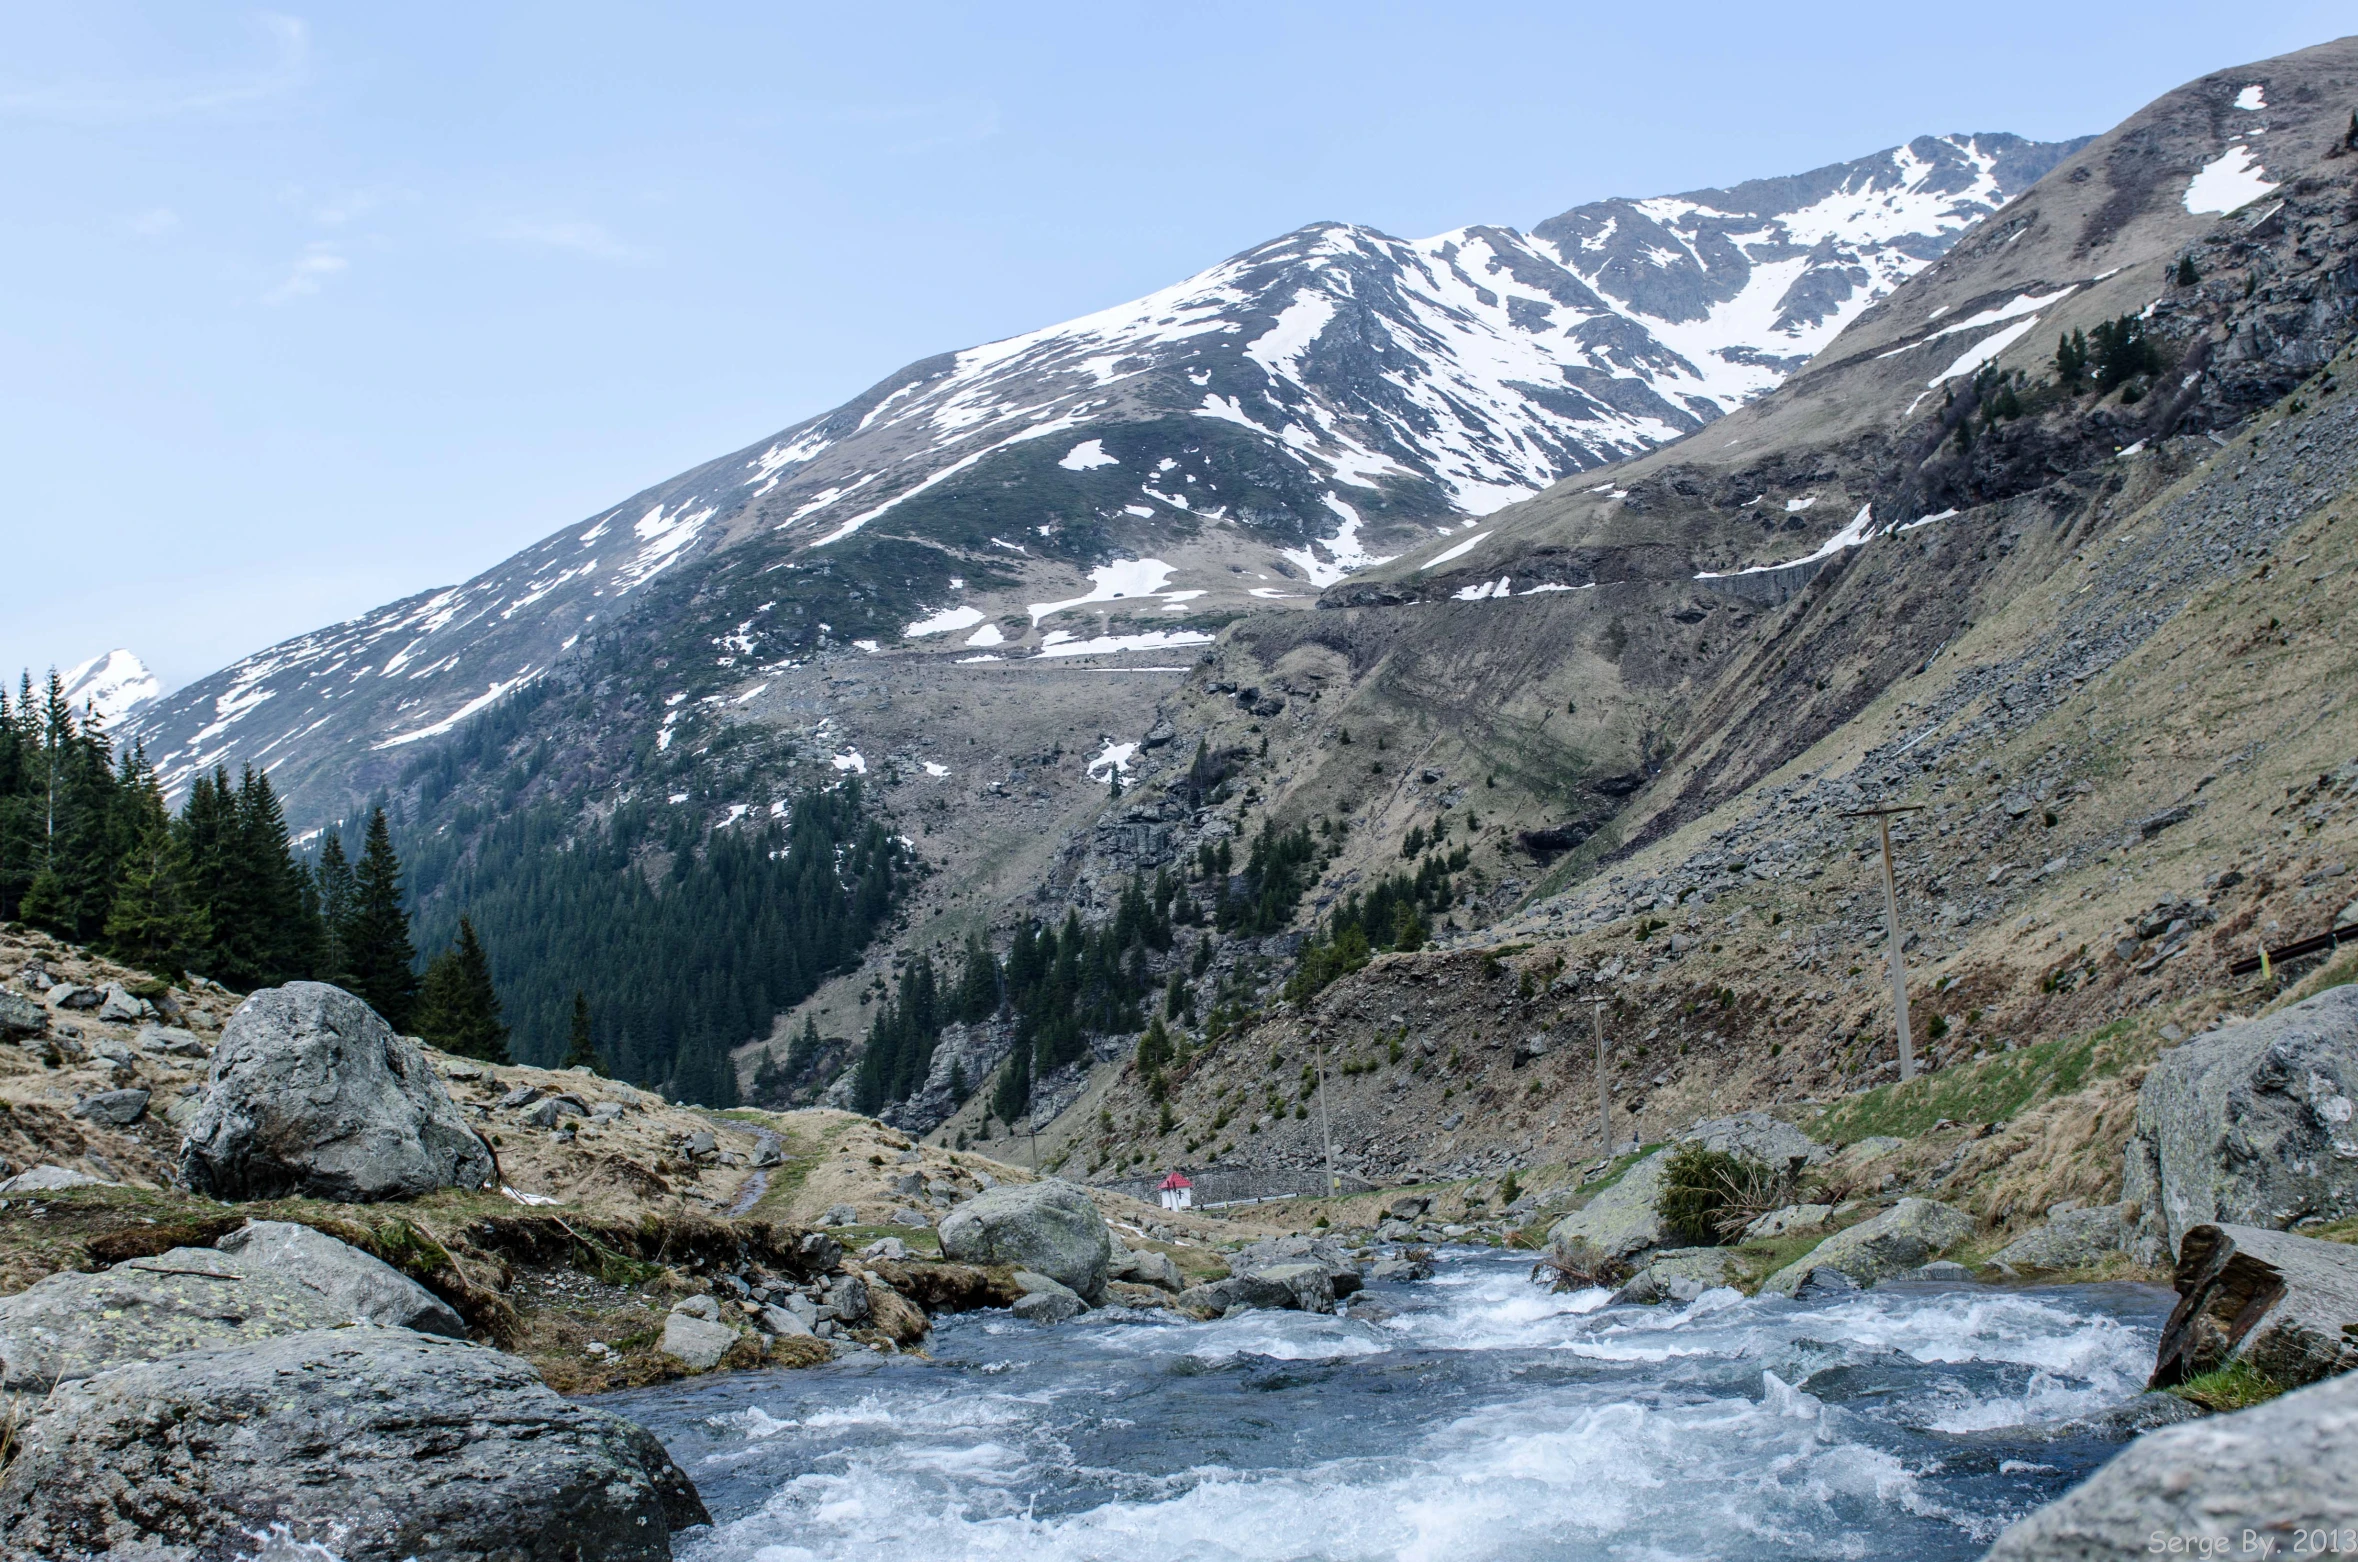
x=215, y=835
x=2185, y=275
x=802, y=1054
x=84, y=828
x=1154, y=1048
x=156, y=921
x=978, y=985
x=333, y=881
x=458, y=1008
x=580, y=1051
x=21, y=759
x=2071, y=359
x=286, y=939
x=380, y=956
x=1014, y=1090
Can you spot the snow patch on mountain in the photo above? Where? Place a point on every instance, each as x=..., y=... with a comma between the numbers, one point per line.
x=1087, y=456
x=943, y=622
x=1058, y=642
x=1328, y=561
x=1455, y=551
x=2228, y=182
x=1113, y=582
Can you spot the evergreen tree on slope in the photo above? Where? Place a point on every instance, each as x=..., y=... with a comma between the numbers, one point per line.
x=458, y=1008
x=381, y=958
x=580, y=1050
x=157, y=921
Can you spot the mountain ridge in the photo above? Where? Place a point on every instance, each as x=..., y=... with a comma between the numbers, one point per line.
x=1366, y=391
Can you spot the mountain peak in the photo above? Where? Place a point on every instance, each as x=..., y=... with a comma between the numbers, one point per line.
x=111, y=686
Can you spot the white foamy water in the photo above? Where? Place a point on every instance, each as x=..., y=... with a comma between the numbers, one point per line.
x=1483, y=1418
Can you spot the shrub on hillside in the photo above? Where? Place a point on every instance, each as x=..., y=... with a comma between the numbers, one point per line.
x=1710, y=1196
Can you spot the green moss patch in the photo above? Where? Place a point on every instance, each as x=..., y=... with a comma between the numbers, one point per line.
x=1990, y=1091
x=2236, y=1386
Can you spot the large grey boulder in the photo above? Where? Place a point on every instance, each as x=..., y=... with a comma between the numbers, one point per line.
x=696, y=1340
x=2287, y=1306
x=1792, y=1220
x=371, y=1445
x=121, y=1008
x=1679, y=1274
x=1904, y=1237
x=116, y=1108
x=273, y=1279
x=1620, y=1221
x=2219, y=1487
x=1860, y=1151
x=367, y=1289
x=1045, y=1300
x=1240, y=1293
x=172, y=1041
x=311, y=1093
x=1049, y=1227
x=1760, y=1138
x=2249, y=1125
x=1145, y=1266
x=1311, y=1284
x=2070, y=1240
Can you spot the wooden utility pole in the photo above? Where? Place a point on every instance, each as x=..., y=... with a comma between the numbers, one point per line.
x=1604, y=1091
x=1326, y=1126
x=1899, y=970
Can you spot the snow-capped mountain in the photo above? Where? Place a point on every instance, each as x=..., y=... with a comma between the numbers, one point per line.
x=111, y=686
x=1476, y=367
x=1311, y=406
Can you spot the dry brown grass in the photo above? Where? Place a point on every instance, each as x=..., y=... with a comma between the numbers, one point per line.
x=2066, y=1148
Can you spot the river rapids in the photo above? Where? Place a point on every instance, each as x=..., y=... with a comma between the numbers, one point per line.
x=1475, y=1415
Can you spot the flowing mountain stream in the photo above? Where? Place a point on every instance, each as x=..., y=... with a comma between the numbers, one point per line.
x=1473, y=1415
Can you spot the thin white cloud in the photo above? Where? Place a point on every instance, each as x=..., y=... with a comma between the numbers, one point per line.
x=310, y=272
x=153, y=223
x=286, y=47
x=583, y=238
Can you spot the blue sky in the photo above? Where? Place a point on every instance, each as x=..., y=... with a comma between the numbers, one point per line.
x=306, y=310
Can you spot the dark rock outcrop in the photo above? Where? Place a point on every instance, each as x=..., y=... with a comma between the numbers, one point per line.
x=373, y=1444
x=2287, y=1306
x=312, y=1093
